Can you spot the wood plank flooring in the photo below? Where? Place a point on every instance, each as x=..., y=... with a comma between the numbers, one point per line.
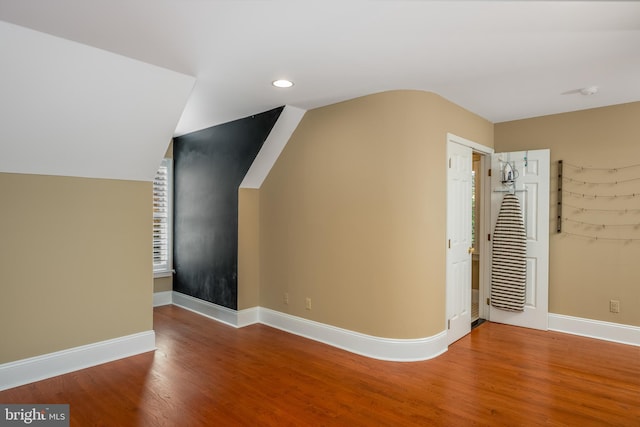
x=206, y=373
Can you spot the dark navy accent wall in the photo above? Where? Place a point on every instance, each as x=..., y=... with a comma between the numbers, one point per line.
x=209, y=166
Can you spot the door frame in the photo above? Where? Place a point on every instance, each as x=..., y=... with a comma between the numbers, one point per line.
x=484, y=220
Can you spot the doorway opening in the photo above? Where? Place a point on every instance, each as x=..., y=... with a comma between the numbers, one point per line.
x=479, y=312
x=476, y=203
x=464, y=223
x=465, y=226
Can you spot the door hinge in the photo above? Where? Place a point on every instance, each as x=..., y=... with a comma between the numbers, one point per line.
x=448, y=323
x=489, y=237
x=449, y=243
x=489, y=172
x=488, y=301
x=449, y=162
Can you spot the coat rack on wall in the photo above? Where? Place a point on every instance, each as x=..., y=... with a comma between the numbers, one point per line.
x=599, y=203
x=559, y=217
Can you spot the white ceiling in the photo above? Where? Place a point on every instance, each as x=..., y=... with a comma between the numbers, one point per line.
x=501, y=60
x=74, y=110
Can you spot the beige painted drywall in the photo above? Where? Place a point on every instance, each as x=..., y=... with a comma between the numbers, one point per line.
x=75, y=262
x=353, y=214
x=248, y=248
x=584, y=273
x=164, y=284
x=475, y=274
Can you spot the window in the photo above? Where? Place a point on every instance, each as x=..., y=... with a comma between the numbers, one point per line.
x=162, y=219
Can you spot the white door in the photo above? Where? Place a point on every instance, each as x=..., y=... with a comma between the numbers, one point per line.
x=460, y=160
x=531, y=174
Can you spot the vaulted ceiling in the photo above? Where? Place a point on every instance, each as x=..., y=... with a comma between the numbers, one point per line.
x=501, y=60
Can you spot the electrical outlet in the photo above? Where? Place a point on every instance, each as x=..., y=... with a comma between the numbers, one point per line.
x=286, y=297
x=307, y=303
x=614, y=306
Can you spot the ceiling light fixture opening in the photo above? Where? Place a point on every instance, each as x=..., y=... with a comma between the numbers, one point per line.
x=591, y=90
x=282, y=83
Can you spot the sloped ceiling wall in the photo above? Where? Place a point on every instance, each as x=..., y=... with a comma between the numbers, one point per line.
x=73, y=110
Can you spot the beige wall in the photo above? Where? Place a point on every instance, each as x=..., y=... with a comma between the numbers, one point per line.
x=475, y=274
x=75, y=262
x=353, y=214
x=248, y=248
x=585, y=274
x=163, y=284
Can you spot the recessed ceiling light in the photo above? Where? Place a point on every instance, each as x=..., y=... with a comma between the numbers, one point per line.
x=591, y=90
x=282, y=83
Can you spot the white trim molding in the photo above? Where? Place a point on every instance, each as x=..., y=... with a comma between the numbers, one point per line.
x=607, y=331
x=278, y=138
x=25, y=371
x=471, y=144
x=234, y=318
x=398, y=350
x=248, y=317
x=162, y=298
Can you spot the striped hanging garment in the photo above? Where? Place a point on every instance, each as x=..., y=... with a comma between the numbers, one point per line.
x=509, y=264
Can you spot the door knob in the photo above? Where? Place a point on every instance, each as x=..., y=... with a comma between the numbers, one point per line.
x=471, y=249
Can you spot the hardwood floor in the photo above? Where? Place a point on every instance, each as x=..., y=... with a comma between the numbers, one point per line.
x=206, y=373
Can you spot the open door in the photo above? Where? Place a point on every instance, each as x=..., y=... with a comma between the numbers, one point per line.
x=459, y=246
x=530, y=180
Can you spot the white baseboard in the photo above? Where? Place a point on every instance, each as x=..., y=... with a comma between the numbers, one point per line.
x=405, y=350
x=248, y=316
x=234, y=318
x=162, y=298
x=25, y=371
x=400, y=350
x=598, y=329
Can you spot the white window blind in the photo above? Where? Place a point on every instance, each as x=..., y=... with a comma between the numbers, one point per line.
x=162, y=220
